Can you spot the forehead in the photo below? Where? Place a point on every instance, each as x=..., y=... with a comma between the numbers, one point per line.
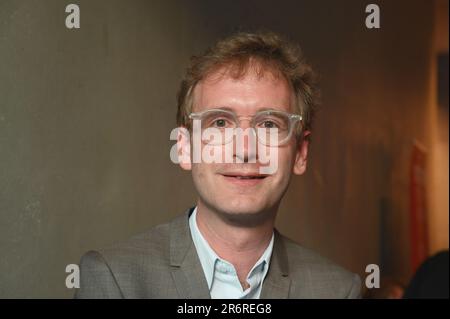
x=246, y=94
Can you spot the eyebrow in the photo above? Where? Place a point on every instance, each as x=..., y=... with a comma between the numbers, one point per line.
x=227, y=108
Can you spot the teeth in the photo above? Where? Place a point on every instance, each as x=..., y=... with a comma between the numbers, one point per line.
x=248, y=177
x=245, y=177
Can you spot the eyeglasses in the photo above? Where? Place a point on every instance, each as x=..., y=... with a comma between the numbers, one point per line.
x=271, y=127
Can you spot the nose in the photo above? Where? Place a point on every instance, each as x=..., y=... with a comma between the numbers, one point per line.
x=244, y=146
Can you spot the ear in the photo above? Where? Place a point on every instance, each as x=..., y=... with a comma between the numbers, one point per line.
x=184, y=148
x=301, y=154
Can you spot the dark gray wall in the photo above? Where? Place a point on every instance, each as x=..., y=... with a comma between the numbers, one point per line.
x=85, y=117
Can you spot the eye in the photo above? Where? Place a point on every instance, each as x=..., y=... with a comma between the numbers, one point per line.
x=269, y=124
x=272, y=120
x=220, y=123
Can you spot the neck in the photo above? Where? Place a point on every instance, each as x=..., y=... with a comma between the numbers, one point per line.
x=240, y=244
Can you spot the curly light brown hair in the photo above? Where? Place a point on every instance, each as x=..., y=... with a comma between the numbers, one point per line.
x=261, y=51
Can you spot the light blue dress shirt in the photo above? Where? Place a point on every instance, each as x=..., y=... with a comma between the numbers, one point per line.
x=221, y=276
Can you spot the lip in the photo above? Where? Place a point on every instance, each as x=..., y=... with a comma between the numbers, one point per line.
x=244, y=179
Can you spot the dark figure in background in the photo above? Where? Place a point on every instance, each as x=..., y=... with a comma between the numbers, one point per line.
x=390, y=288
x=431, y=279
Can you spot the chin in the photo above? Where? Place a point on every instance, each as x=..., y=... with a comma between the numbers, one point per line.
x=243, y=210
x=240, y=210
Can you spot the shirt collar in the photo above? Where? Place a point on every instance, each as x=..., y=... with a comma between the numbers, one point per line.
x=208, y=256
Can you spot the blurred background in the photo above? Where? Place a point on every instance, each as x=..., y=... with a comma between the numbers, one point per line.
x=85, y=118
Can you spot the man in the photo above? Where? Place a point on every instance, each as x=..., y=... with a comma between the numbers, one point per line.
x=226, y=246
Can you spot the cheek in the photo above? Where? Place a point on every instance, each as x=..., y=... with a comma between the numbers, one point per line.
x=198, y=178
x=201, y=172
x=286, y=159
x=197, y=171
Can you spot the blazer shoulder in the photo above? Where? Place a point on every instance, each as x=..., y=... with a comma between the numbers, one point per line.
x=122, y=270
x=323, y=277
x=153, y=243
x=138, y=267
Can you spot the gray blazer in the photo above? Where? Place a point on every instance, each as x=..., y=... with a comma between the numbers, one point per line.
x=163, y=263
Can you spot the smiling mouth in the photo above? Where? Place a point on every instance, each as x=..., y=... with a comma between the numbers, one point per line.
x=246, y=177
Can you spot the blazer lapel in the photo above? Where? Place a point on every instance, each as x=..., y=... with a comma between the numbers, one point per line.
x=277, y=282
x=187, y=271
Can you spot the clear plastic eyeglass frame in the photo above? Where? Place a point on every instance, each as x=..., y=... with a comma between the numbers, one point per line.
x=282, y=138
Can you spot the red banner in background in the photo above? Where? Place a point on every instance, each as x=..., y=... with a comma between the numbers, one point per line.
x=418, y=207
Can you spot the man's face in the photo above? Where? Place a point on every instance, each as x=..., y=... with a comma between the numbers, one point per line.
x=225, y=187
